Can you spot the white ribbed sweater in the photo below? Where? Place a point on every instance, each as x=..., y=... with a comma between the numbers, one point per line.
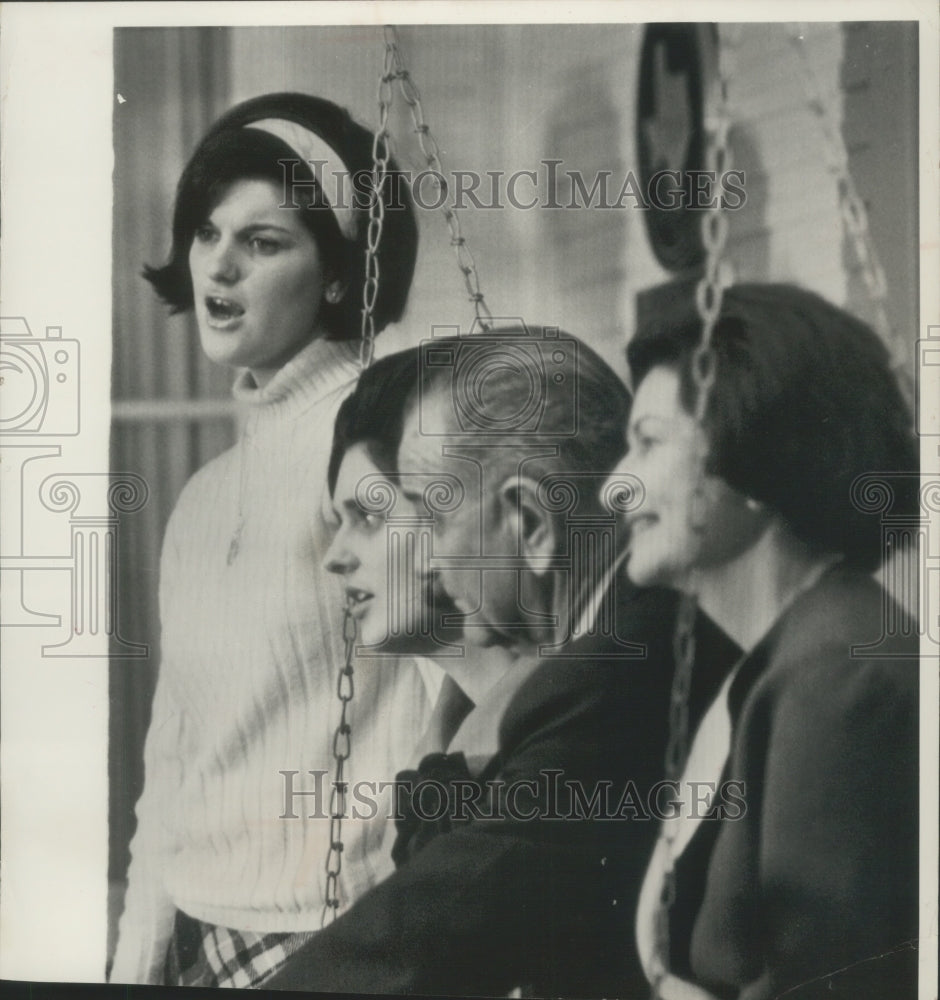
x=247, y=687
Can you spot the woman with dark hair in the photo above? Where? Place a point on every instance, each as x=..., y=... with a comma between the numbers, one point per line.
x=269, y=236
x=319, y=159
x=811, y=886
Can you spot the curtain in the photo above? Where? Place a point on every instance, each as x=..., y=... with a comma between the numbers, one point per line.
x=170, y=84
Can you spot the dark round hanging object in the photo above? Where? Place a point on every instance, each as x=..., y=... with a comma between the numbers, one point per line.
x=676, y=63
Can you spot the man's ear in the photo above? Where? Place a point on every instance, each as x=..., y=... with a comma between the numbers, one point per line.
x=527, y=523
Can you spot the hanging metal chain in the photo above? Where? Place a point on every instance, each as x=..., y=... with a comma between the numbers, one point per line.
x=380, y=157
x=342, y=737
x=708, y=298
x=851, y=205
x=395, y=70
x=714, y=225
x=340, y=787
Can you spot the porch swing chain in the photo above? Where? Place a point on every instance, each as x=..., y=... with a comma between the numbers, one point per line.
x=393, y=70
x=396, y=71
x=338, y=790
x=381, y=154
x=708, y=298
x=851, y=204
x=345, y=689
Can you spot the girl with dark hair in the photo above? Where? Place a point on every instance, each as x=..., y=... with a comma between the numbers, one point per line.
x=228, y=870
x=811, y=884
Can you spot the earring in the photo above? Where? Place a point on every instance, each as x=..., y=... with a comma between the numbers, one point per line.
x=753, y=505
x=332, y=294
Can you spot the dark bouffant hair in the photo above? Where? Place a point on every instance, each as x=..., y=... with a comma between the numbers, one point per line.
x=804, y=402
x=374, y=414
x=231, y=152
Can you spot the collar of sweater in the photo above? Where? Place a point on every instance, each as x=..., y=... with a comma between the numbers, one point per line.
x=320, y=368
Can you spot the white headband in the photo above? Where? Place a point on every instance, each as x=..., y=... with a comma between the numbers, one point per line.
x=325, y=163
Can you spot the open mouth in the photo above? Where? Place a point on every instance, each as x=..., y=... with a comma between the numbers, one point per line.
x=355, y=597
x=223, y=309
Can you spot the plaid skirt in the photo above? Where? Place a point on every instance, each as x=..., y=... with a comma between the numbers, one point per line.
x=202, y=954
